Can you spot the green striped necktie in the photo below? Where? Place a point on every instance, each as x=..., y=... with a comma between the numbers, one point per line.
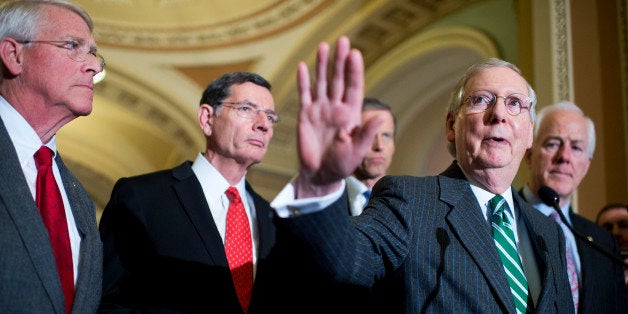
x=507, y=248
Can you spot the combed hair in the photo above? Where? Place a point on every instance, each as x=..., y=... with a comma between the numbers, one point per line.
x=220, y=88
x=20, y=19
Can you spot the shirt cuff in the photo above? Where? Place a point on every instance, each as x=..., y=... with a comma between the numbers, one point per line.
x=286, y=205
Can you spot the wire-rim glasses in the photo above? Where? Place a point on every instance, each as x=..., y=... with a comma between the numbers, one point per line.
x=480, y=100
x=248, y=110
x=77, y=50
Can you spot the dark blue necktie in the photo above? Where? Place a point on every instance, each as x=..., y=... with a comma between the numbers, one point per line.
x=367, y=194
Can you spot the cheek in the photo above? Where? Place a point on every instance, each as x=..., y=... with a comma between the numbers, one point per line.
x=542, y=162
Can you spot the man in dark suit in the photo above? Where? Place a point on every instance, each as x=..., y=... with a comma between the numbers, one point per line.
x=164, y=233
x=564, y=142
x=430, y=239
x=48, y=60
x=378, y=157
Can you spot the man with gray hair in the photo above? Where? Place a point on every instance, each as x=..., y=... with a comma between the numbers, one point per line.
x=564, y=142
x=50, y=249
x=462, y=241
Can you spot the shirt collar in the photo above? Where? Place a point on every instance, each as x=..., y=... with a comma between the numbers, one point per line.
x=24, y=138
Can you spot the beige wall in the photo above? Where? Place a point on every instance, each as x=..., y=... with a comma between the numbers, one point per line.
x=598, y=88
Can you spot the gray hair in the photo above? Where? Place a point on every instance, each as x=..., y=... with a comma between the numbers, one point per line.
x=455, y=100
x=20, y=19
x=568, y=106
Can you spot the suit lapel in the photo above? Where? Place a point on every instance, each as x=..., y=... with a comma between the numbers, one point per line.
x=84, y=213
x=537, y=232
x=191, y=195
x=23, y=211
x=474, y=232
x=265, y=226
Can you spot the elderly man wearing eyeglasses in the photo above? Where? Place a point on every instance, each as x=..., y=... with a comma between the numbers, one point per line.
x=50, y=249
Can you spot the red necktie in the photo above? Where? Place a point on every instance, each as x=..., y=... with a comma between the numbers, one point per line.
x=239, y=248
x=51, y=208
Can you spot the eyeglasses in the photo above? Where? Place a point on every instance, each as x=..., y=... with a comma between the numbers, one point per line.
x=481, y=100
x=77, y=49
x=246, y=109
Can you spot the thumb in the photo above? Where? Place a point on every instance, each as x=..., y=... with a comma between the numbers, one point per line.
x=366, y=134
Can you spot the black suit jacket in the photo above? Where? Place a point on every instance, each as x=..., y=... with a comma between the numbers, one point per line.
x=428, y=240
x=601, y=289
x=163, y=252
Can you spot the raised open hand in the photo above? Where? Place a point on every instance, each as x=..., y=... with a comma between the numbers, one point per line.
x=331, y=142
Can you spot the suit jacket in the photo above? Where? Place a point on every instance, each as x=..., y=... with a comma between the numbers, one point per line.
x=29, y=281
x=602, y=287
x=427, y=239
x=163, y=252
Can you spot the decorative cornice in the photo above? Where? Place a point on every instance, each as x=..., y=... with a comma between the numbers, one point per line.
x=274, y=19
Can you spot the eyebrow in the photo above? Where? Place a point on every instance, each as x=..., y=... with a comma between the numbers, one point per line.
x=257, y=107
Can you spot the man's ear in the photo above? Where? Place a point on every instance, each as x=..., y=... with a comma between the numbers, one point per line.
x=206, y=118
x=528, y=156
x=11, y=56
x=449, y=128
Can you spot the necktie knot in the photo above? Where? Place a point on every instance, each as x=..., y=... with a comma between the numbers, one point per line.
x=43, y=157
x=497, y=204
x=233, y=195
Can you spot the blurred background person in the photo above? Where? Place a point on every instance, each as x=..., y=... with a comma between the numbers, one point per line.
x=378, y=157
x=564, y=142
x=50, y=250
x=614, y=218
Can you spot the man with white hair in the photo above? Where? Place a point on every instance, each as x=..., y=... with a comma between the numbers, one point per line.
x=564, y=142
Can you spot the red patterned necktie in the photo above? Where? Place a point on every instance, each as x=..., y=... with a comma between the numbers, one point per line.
x=571, y=266
x=239, y=248
x=50, y=206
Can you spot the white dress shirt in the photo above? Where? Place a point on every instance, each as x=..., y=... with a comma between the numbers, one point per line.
x=214, y=186
x=355, y=191
x=27, y=143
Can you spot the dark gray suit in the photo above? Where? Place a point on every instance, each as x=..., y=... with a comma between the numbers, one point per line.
x=29, y=282
x=427, y=241
x=602, y=285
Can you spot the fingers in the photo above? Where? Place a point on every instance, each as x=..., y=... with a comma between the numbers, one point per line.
x=367, y=133
x=354, y=93
x=322, y=58
x=347, y=77
x=337, y=88
x=303, y=84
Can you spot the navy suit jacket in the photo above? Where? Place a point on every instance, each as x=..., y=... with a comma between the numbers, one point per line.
x=163, y=252
x=427, y=240
x=29, y=281
x=602, y=285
